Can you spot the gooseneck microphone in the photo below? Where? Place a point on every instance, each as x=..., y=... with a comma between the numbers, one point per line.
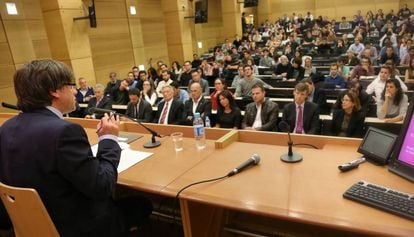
x=9, y=106
x=150, y=144
x=254, y=160
x=290, y=157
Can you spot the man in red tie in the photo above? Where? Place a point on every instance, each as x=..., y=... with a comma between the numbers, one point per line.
x=301, y=115
x=170, y=110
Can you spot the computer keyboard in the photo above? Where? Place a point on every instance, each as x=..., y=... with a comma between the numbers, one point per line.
x=383, y=198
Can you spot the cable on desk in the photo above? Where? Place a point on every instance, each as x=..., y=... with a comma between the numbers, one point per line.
x=305, y=144
x=192, y=184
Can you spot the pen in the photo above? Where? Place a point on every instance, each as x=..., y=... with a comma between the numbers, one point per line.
x=351, y=165
x=110, y=116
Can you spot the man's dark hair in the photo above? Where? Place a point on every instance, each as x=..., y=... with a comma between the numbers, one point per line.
x=35, y=80
x=193, y=71
x=259, y=85
x=142, y=72
x=134, y=91
x=175, y=84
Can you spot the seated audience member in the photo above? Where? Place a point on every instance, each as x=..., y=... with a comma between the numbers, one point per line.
x=343, y=70
x=340, y=48
x=228, y=114
x=409, y=72
x=301, y=115
x=393, y=104
x=317, y=96
x=132, y=83
x=244, y=89
x=113, y=83
x=99, y=101
x=170, y=110
x=356, y=88
x=309, y=68
x=282, y=68
x=196, y=61
x=369, y=52
x=351, y=59
x=148, y=92
x=389, y=55
x=344, y=24
x=250, y=62
x=266, y=60
x=185, y=76
x=405, y=61
x=142, y=77
x=195, y=104
x=138, y=108
x=356, y=47
x=348, y=121
x=335, y=78
x=376, y=87
x=196, y=77
x=262, y=113
x=239, y=77
x=166, y=80
x=363, y=69
x=176, y=68
x=296, y=71
x=206, y=67
x=180, y=94
x=219, y=86
x=75, y=187
x=120, y=94
x=394, y=70
x=84, y=92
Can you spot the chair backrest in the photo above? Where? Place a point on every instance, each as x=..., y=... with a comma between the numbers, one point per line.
x=27, y=212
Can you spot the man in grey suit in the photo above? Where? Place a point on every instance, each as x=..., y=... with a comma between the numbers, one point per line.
x=138, y=108
x=262, y=113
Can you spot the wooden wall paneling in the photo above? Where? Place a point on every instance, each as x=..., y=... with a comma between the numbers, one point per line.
x=5, y=55
x=102, y=74
x=264, y=11
x=7, y=95
x=19, y=40
x=231, y=16
x=32, y=9
x=41, y=48
x=6, y=77
x=56, y=33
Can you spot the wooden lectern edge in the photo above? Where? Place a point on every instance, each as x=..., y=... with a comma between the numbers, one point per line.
x=227, y=139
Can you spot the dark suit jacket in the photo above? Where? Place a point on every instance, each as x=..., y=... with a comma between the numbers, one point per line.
x=319, y=98
x=364, y=100
x=144, y=111
x=203, y=107
x=269, y=115
x=106, y=103
x=355, y=126
x=176, y=112
x=54, y=157
x=311, y=123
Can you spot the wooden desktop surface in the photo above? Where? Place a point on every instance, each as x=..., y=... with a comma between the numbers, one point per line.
x=307, y=192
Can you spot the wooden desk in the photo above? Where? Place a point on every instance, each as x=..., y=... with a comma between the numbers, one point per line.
x=308, y=193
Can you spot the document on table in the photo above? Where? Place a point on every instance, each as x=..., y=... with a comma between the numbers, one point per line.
x=128, y=157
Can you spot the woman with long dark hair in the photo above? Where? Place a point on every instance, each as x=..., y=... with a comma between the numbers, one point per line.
x=348, y=121
x=228, y=114
x=393, y=104
x=148, y=92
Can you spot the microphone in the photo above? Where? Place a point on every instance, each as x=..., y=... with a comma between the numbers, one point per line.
x=150, y=144
x=254, y=160
x=290, y=157
x=9, y=106
x=101, y=111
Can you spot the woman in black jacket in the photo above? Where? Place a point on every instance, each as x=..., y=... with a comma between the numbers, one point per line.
x=349, y=120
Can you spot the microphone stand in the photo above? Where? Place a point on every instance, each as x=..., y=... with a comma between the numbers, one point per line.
x=152, y=143
x=290, y=156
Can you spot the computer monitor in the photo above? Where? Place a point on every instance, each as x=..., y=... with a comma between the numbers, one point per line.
x=402, y=162
x=377, y=145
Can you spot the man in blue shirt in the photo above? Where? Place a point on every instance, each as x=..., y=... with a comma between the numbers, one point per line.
x=335, y=78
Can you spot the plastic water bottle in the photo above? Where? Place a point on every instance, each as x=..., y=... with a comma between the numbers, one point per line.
x=208, y=125
x=199, y=135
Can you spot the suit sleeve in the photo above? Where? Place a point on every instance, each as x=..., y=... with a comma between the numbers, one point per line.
x=147, y=113
x=359, y=126
x=95, y=177
x=272, y=119
x=315, y=125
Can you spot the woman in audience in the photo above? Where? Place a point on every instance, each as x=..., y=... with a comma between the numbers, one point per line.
x=228, y=114
x=309, y=68
x=176, y=68
x=351, y=59
x=393, y=104
x=409, y=72
x=250, y=62
x=148, y=92
x=219, y=86
x=349, y=120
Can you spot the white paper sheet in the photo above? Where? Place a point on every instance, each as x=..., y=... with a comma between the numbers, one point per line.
x=128, y=157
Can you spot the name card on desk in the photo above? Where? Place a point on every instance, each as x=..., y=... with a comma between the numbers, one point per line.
x=129, y=157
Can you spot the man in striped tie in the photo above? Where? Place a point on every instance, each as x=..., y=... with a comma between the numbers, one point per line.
x=170, y=110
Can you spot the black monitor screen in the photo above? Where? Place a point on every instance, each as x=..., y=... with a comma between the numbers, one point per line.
x=403, y=158
x=377, y=145
x=201, y=11
x=251, y=3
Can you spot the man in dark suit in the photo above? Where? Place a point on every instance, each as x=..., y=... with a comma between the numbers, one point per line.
x=138, y=108
x=54, y=157
x=196, y=103
x=317, y=96
x=301, y=115
x=99, y=101
x=170, y=110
